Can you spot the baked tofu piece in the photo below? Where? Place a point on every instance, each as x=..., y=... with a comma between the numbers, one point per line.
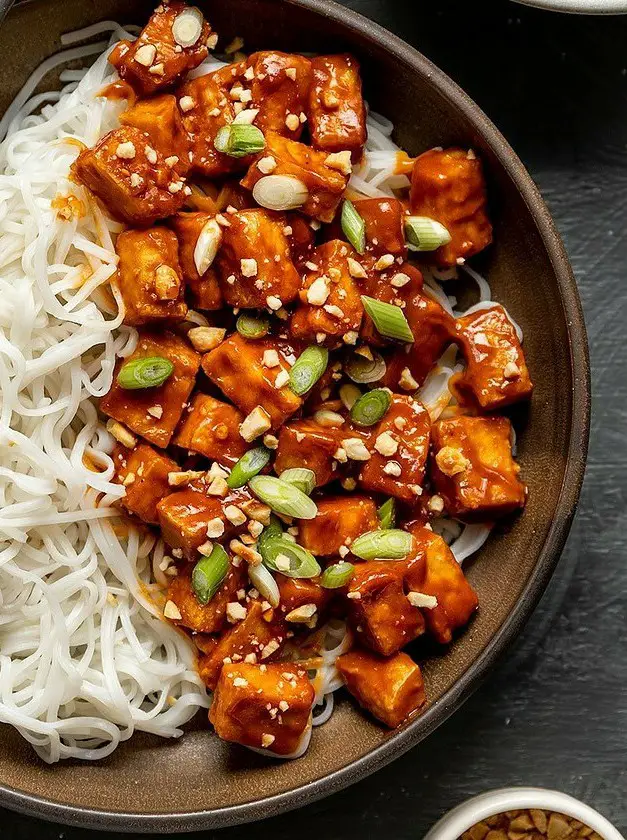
x=204, y=290
x=301, y=238
x=383, y=218
x=211, y=428
x=434, y=571
x=257, y=637
x=448, y=185
x=279, y=87
x=144, y=473
x=390, y=689
x=399, y=455
x=159, y=117
x=173, y=42
x=337, y=115
x=297, y=592
x=209, y=617
x=330, y=301
x=340, y=520
x=254, y=263
x=149, y=276
x=307, y=444
x=131, y=177
x=154, y=413
x=473, y=469
x=399, y=285
x=496, y=373
x=324, y=177
x=379, y=612
x=263, y=707
x=237, y=368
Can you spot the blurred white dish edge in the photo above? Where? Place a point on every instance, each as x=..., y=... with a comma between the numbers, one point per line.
x=581, y=7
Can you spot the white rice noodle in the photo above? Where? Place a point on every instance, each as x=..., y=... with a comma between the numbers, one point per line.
x=435, y=393
x=104, y=26
x=376, y=177
x=485, y=292
x=470, y=541
x=323, y=712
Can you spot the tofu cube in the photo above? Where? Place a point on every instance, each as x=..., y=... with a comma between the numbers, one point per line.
x=337, y=115
x=473, y=469
x=209, y=617
x=237, y=368
x=496, y=372
x=448, y=185
x=434, y=571
x=324, y=181
x=254, y=262
x=385, y=233
x=297, y=592
x=144, y=473
x=244, y=700
x=279, y=87
x=204, y=290
x=301, y=238
x=305, y=443
x=131, y=177
x=154, y=413
x=400, y=285
x=159, y=117
x=149, y=276
x=391, y=689
x=340, y=520
x=399, y=455
x=379, y=612
x=161, y=54
x=211, y=428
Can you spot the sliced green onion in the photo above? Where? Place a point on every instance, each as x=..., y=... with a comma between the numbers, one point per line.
x=289, y=559
x=371, y=407
x=149, y=372
x=252, y=326
x=261, y=578
x=385, y=545
x=337, y=575
x=363, y=370
x=308, y=368
x=238, y=140
x=424, y=234
x=272, y=530
x=354, y=227
x=387, y=514
x=300, y=477
x=349, y=394
x=209, y=573
x=283, y=497
x=251, y=463
x=280, y=192
x=388, y=319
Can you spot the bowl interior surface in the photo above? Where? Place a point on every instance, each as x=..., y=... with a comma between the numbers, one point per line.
x=528, y=272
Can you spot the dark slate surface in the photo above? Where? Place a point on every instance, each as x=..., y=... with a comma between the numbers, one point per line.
x=555, y=712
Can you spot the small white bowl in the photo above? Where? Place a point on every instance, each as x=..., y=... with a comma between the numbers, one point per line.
x=460, y=819
x=581, y=7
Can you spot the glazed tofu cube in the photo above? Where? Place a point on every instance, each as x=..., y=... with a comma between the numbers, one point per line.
x=209, y=617
x=448, y=185
x=257, y=637
x=237, y=368
x=131, y=177
x=279, y=88
x=307, y=444
x=340, y=520
x=379, y=612
x=337, y=116
x=149, y=276
x=399, y=455
x=323, y=176
x=496, y=373
x=154, y=413
x=211, y=428
x=254, y=263
x=473, y=468
x=262, y=707
x=434, y=571
x=144, y=473
x=173, y=42
x=391, y=689
x=160, y=118
x=204, y=289
x=298, y=592
x=301, y=238
x=330, y=301
x=399, y=285
x=383, y=218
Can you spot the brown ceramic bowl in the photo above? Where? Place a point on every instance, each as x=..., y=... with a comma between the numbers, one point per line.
x=199, y=782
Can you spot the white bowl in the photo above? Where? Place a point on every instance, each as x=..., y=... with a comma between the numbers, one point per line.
x=582, y=7
x=460, y=819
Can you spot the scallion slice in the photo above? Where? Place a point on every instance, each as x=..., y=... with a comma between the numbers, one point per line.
x=308, y=368
x=283, y=497
x=261, y=578
x=424, y=234
x=280, y=192
x=272, y=530
x=390, y=544
x=238, y=140
x=388, y=319
x=364, y=371
x=354, y=227
x=251, y=463
x=300, y=477
x=149, y=372
x=387, y=514
x=252, y=326
x=289, y=559
x=371, y=407
x=337, y=575
x=208, y=574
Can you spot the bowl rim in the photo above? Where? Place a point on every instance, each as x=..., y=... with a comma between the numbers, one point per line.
x=420, y=728
x=580, y=7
